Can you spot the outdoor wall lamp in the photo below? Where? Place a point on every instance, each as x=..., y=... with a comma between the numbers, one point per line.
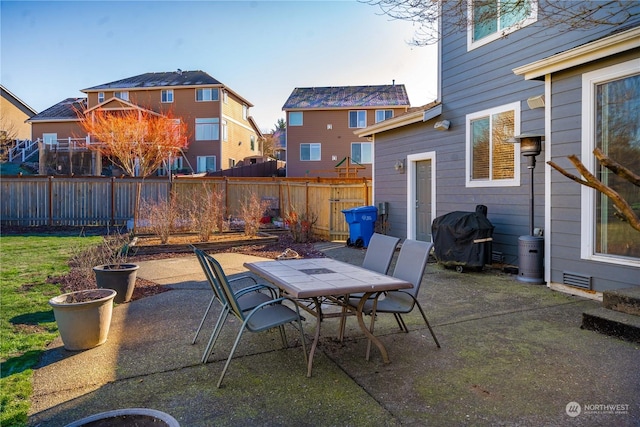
x=442, y=125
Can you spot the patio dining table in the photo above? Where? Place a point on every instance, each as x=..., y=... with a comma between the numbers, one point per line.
x=325, y=278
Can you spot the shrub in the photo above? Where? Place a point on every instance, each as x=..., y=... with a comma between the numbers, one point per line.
x=160, y=217
x=252, y=209
x=300, y=225
x=205, y=212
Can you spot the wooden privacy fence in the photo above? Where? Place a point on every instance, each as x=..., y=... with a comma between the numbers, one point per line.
x=102, y=201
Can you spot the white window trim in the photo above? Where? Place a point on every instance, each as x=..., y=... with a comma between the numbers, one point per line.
x=362, y=143
x=50, y=138
x=301, y=118
x=124, y=94
x=169, y=93
x=358, y=113
x=533, y=17
x=210, y=89
x=588, y=218
x=213, y=123
x=100, y=97
x=412, y=159
x=215, y=160
x=310, y=143
x=382, y=111
x=515, y=181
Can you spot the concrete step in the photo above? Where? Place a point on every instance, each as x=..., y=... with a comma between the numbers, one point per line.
x=610, y=322
x=624, y=300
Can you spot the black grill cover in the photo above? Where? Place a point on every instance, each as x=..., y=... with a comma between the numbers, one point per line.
x=463, y=238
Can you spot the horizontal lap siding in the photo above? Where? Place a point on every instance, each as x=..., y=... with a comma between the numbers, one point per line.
x=566, y=214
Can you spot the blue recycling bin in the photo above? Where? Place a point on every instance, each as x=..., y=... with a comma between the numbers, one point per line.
x=361, y=222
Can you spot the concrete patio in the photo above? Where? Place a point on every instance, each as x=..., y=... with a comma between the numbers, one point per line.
x=512, y=354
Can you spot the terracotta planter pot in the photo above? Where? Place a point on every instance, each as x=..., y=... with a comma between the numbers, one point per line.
x=83, y=317
x=127, y=417
x=119, y=277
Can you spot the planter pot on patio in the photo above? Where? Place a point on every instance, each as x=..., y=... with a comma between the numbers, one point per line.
x=127, y=417
x=83, y=317
x=119, y=277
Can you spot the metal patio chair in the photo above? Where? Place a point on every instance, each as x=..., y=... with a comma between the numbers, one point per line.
x=410, y=266
x=249, y=298
x=377, y=258
x=265, y=316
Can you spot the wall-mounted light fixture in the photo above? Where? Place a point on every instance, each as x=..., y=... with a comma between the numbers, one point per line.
x=536, y=101
x=442, y=125
x=399, y=165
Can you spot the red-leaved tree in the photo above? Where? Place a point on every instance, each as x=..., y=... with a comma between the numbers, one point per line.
x=138, y=141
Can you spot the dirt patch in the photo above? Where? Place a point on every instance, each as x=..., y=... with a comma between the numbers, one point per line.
x=77, y=280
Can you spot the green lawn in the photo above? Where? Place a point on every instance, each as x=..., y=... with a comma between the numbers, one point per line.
x=26, y=320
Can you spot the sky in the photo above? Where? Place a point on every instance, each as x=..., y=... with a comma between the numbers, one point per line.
x=260, y=49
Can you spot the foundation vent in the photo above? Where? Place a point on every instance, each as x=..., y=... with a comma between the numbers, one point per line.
x=576, y=280
x=497, y=257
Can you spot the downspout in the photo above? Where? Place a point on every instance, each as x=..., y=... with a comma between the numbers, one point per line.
x=547, y=179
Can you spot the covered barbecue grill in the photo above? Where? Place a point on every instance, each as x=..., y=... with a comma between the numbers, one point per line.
x=463, y=239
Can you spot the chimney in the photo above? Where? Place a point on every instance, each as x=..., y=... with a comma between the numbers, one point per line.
x=393, y=82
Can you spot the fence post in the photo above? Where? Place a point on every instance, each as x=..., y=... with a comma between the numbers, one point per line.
x=112, y=221
x=50, y=193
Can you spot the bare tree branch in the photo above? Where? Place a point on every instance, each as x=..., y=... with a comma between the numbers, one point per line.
x=623, y=207
x=562, y=15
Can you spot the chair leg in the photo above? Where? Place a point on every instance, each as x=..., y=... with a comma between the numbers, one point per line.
x=283, y=336
x=343, y=318
x=195, y=338
x=226, y=365
x=214, y=335
x=371, y=326
x=428, y=325
x=400, y=321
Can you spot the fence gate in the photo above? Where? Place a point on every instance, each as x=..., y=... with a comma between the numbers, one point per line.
x=344, y=197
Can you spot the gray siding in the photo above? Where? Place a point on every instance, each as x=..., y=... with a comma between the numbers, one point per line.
x=566, y=105
x=481, y=79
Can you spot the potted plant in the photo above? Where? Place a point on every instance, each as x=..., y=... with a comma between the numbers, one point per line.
x=113, y=271
x=128, y=417
x=83, y=317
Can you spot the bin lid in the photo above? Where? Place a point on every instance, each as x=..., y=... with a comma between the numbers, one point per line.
x=364, y=209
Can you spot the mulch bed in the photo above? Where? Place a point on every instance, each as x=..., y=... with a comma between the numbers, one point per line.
x=75, y=280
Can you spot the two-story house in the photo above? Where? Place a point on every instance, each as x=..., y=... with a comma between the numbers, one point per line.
x=220, y=130
x=500, y=78
x=321, y=121
x=15, y=113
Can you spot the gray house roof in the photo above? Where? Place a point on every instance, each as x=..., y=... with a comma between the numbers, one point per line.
x=164, y=79
x=63, y=110
x=347, y=97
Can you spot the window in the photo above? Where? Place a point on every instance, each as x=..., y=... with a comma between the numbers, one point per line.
x=491, y=160
x=610, y=111
x=167, y=95
x=232, y=163
x=295, y=118
x=176, y=166
x=207, y=94
x=310, y=152
x=225, y=131
x=207, y=129
x=358, y=119
x=383, y=115
x=124, y=95
x=50, y=138
x=100, y=97
x=493, y=19
x=253, y=142
x=362, y=152
x=225, y=97
x=245, y=111
x=206, y=164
